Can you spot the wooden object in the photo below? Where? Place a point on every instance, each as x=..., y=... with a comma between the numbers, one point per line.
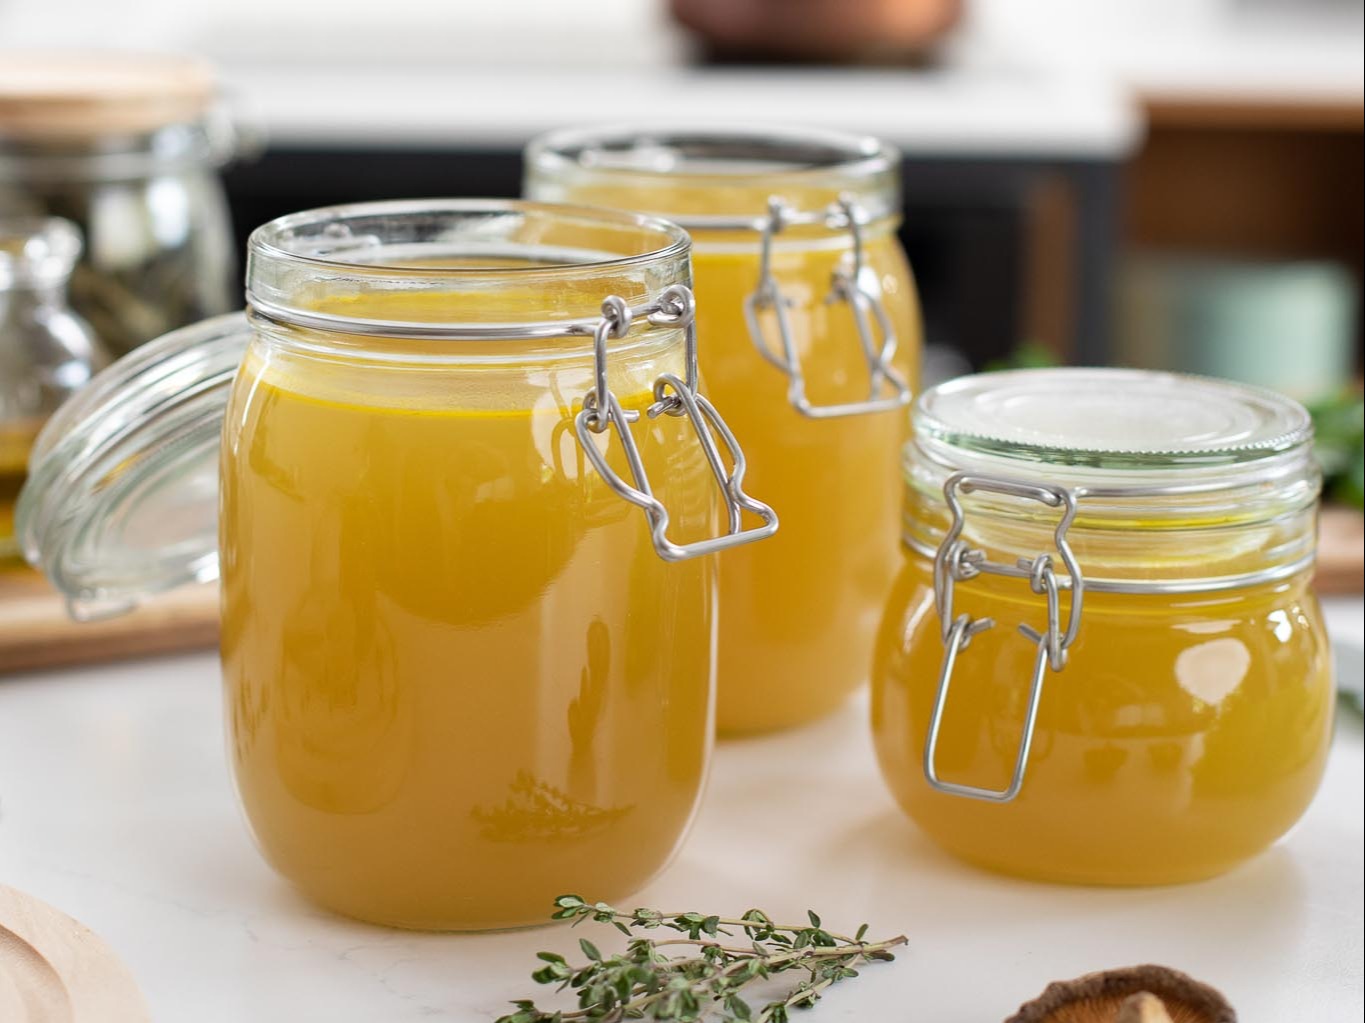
x=36, y=632
x=55, y=970
x=1341, y=551
x=1255, y=179
x=94, y=94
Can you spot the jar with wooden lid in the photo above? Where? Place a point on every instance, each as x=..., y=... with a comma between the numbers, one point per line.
x=1103, y=661
x=127, y=147
x=466, y=511
x=810, y=312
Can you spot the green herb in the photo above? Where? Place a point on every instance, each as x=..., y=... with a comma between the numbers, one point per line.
x=1029, y=355
x=1339, y=427
x=717, y=958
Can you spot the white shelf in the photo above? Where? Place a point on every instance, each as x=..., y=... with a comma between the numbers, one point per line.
x=927, y=113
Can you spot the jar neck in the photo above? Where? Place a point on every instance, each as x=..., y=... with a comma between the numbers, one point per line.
x=510, y=359
x=37, y=256
x=40, y=161
x=28, y=303
x=1155, y=531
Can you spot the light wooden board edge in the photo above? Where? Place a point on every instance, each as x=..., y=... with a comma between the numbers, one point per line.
x=54, y=969
x=1341, y=551
x=35, y=632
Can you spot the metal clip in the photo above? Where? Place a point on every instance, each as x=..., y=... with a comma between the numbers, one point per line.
x=957, y=562
x=853, y=282
x=674, y=397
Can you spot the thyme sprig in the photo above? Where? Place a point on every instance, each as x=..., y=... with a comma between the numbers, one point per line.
x=717, y=958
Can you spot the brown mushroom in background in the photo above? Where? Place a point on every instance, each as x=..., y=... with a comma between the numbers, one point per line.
x=1143, y=1008
x=1138, y=994
x=818, y=29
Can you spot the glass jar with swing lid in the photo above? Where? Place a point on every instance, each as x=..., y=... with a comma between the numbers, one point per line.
x=1103, y=661
x=470, y=490
x=813, y=331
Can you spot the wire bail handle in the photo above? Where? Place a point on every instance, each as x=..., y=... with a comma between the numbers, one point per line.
x=852, y=282
x=675, y=307
x=955, y=562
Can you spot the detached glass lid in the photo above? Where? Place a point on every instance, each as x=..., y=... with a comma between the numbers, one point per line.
x=1107, y=419
x=122, y=495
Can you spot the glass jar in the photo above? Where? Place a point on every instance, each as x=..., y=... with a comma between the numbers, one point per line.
x=466, y=477
x=813, y=336
x=127, y=147
x=1103, y=661
x=46, y=351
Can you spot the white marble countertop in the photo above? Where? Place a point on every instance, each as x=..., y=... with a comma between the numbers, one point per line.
x=115, y=806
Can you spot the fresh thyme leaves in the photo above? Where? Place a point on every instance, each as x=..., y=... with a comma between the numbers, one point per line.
x=703, y=979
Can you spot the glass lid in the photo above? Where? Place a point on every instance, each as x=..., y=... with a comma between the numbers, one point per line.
x=1108, y=419
x=122, y=495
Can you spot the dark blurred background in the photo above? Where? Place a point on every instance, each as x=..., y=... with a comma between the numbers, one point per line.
x=1085, y=180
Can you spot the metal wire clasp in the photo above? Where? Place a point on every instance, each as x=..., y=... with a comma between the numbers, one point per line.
x=673, y=397
x=957, y=562
x=853, y=282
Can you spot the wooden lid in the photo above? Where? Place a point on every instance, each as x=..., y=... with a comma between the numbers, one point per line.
x=55, y=94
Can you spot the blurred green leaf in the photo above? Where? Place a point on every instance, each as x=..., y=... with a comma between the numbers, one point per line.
x=1029, y=355
x=1339, y=424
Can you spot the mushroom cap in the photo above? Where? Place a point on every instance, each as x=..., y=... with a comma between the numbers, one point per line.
x=1098, y=997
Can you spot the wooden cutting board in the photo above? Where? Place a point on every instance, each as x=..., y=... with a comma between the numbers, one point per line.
x=36, y=632
x=55, y=970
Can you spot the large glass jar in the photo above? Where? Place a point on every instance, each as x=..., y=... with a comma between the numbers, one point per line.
x=813, y=337
x=1103, y=661
x=467, y=633
x=127, y=147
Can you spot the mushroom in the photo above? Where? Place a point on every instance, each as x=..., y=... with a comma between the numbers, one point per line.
x=1138, y=994
x=1143, y=1007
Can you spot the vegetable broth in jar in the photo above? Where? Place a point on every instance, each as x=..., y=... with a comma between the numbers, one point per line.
x=1167, y=710
x=812, y=323
x=468, y=648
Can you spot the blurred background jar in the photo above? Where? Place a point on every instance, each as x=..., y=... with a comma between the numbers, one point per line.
x=1285, y=324
x=817, y=29
x=126, y=146
x=46, y=351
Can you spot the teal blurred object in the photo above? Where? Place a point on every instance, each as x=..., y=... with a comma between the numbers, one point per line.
x=1288, y=326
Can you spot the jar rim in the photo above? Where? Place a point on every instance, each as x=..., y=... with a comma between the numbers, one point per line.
x=712, y=159
x=464, y=246
x=1120, y=422
x=273, y=240
x=821, y=151
x=208, y=142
